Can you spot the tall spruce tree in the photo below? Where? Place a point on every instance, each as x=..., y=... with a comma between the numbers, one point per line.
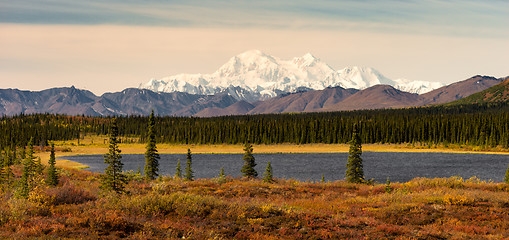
x=7, y=171
x=354, y=166
x=189, y=171
x=27, y=177
x=267, y=176
x=249, y=162
x=52, y=177
x=113, y=178
x=151, y=156
x=178, y=170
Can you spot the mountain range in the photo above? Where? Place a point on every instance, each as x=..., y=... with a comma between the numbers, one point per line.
x=376, y=97
x=253, y=76
x=135, y=101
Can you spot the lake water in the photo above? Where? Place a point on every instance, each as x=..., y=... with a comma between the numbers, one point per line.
x=399, y=167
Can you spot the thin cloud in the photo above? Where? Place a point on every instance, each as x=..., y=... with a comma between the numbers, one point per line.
x=478, y=18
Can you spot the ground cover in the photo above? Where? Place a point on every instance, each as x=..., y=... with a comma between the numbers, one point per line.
x=235, y=208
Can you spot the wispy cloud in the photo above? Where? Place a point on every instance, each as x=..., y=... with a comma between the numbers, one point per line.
x=107, y=45
x=430, y=17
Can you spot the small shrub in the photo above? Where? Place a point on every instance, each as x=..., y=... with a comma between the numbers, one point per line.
x=461, y=199
x=149, y=205
x=70, y=194
x=182, y=204
x=39, y=197
x=66, y=149
x=133, y=176
x=4, y=216
x=21, y=209
x=112, y=222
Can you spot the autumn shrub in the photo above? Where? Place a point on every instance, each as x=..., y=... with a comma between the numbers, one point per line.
x=70, y=194
x=112, y=223
x=5, y=214
x=40, y=199
x=452, y=182
x=461, y=198
x=21, y=209
x=195, y=205
x=133, y=176
x=149, y=205
x=182, y=204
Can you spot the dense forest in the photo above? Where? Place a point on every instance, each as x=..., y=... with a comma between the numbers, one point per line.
x=475, y=124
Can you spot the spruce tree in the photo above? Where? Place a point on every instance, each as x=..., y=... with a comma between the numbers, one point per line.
x=178, y=170
x=388, y=187
x=52, y=178
x=3, y=166
x=267, y=176
x=9, y=161
x=322, y=180
x=114, y=179
x=222, y=177
x=14, y=157
x=26, y=181
x=38, y=166
x=151, y=155
x=189, y=171
x=8, y=174
x=22, y=154
x=249, y=162
x=354, y=167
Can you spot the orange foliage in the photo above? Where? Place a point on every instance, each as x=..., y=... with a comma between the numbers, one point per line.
x=251, y=209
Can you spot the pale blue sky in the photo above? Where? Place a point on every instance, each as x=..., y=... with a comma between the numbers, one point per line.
x=111, y=45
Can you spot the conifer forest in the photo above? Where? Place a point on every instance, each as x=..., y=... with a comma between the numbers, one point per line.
x=484, y=124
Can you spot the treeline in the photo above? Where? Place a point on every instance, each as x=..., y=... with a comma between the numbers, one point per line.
x=484, y=124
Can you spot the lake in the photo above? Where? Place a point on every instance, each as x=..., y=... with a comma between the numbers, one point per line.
x=399, y=167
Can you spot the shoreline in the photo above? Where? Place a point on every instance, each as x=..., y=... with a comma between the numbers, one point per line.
x=99, y=149
x=135, y=148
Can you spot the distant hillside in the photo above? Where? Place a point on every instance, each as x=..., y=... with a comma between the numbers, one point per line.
x=131, y=101
x=304, y=101
x=497, y=93
x=377, y=97
x=459, y=90
x=238, y=108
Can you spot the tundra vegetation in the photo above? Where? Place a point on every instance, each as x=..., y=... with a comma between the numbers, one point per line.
x=119, y=204
x=249, y=208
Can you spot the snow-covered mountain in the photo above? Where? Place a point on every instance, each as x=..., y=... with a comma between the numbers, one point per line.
x=254, y=75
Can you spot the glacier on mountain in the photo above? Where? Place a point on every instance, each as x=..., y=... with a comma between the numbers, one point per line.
x=254, y=75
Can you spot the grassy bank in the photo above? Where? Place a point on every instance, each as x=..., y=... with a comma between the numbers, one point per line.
x=445, y=208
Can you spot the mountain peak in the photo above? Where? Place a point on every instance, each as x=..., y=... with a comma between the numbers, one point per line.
x=359, y=69
x=309, y=56
x=260, y=76
x=254, y=56
x=307, y=60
